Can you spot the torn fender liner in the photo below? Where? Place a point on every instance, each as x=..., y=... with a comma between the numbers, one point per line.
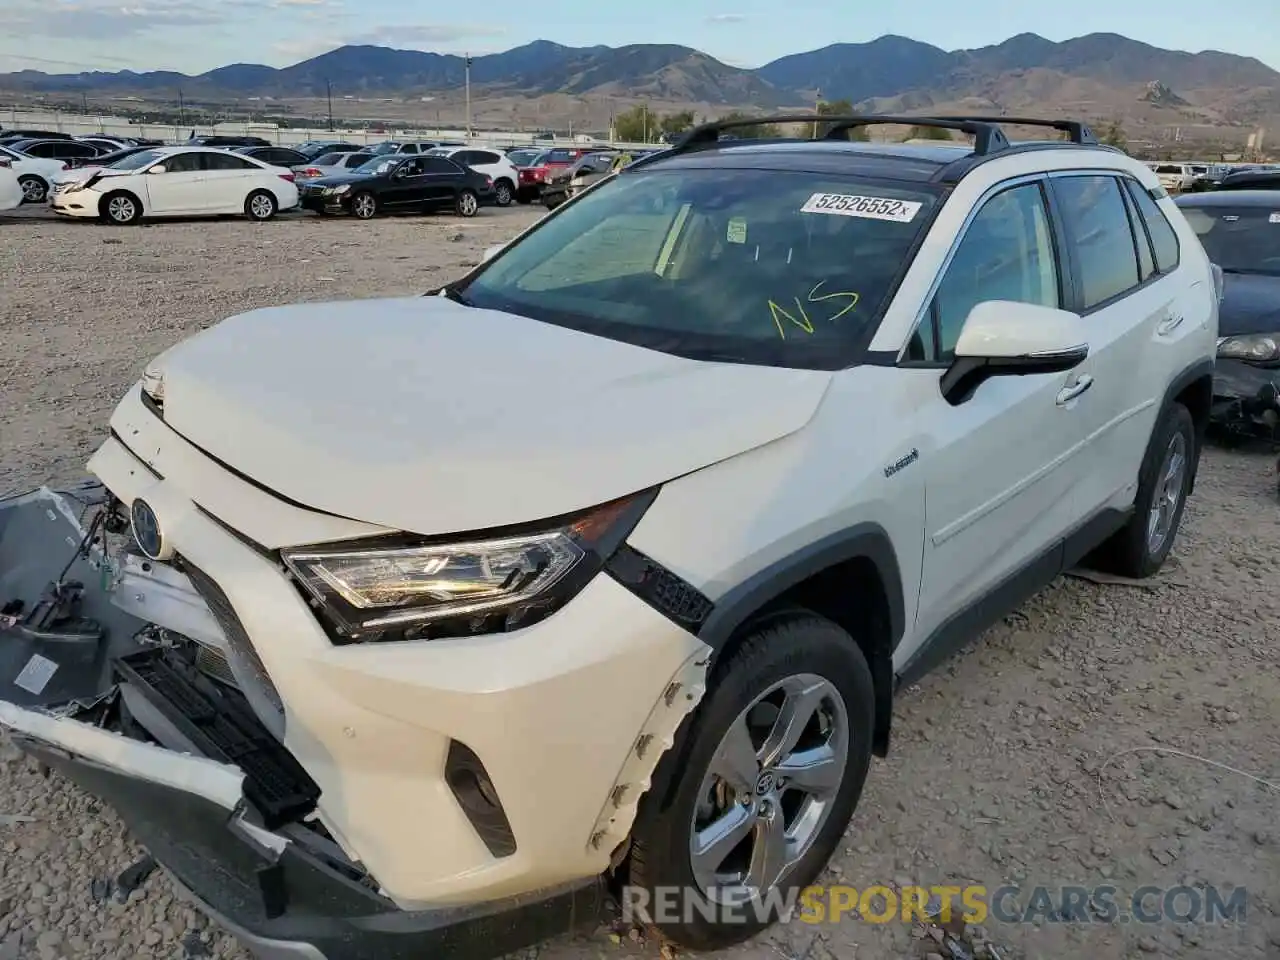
x=288, y=902
x=63, y=662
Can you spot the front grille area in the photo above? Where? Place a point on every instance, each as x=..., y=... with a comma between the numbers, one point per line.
x=213, y=663
x=243, y=660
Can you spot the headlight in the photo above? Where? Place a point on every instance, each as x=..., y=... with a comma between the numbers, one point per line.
x=401, y=590
x=338, y=190
x=1259, y=347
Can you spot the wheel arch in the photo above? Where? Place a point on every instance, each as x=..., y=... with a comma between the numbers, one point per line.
x=1193, y=388
x=102, y=203
x=852, y=578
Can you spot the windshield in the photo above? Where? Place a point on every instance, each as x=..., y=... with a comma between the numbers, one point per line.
x=378, y=165
x=382, y=148
x=784, y=268
x=1239, y=239
x=137, y=161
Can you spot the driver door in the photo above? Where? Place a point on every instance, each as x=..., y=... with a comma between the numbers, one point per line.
x=407, y=185
x=180, y=190
x=1002, y=465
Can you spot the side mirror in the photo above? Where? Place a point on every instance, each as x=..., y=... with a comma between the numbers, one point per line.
x=491, y=252
x=158, y=168
x=1006, y=338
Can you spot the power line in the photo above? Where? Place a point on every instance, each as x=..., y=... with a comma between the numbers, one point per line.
x=118, y=64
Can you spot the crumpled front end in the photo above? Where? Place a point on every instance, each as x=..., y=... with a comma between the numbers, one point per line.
x=323, y=800
x=1246, y=399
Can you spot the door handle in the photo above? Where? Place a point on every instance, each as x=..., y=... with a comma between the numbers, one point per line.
x=1169, y=324
x=1073, y=390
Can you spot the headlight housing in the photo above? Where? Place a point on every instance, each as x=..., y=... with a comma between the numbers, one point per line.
x=338, y=190
x=405, y=588
x=1257, y=347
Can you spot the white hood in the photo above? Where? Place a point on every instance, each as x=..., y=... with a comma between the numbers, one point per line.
x=421, y=414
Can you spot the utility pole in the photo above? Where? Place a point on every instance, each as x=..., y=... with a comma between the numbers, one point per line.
x=328, y=89
x=182, y=110
x=468, y=86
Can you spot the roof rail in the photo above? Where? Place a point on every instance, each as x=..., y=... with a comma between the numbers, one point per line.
x=987, y=136
x=1077, y=131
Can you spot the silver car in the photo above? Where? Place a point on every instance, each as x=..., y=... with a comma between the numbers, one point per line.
x=329, y=164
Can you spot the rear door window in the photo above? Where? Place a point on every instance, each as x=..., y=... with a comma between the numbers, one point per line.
x=1097, y=226
x=440, y=165
x=182, y=163
x=227, y=161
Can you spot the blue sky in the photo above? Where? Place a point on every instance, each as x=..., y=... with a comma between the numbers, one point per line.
x=195, y=35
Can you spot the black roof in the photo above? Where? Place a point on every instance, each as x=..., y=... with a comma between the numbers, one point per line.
x=1231, y=198
x=834, y=152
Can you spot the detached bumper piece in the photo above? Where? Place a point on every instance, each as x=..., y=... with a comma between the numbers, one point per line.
x=182, y=707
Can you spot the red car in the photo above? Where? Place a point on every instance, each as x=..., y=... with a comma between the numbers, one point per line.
x=539, y=168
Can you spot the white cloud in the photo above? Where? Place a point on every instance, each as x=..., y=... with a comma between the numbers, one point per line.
x=413, y=36
x=96, y=19
x=726, y=18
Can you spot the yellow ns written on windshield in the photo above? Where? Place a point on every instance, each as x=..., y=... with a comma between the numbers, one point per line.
x=800, y=318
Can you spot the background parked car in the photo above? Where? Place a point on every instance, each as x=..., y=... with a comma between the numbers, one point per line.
x=35, y=174
x=10, y=189
x=1239, y=231
x=1257, y=179
x=84, y=171
x=228, y=141
x=312, y=149
x=329, y=164
x=387, y=147
x=9, y=136
x=390, y=184
x=1175, y=177
x=179, y=182
x=494, y=165
x=531, y=176
x=276, y=156
x=71, y=152
x=108, y=144
x=572, y=180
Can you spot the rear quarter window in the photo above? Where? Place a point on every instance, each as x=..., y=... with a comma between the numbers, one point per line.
x=1164, y=239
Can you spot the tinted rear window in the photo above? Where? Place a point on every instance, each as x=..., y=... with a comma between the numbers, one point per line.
x=561, y=156
x=783, y=268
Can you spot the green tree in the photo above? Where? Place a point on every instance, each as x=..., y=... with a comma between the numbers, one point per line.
x=839, y=108
x=674, y=123
x=1114, y=136
x=762, y=130
x=928, y=133
x=637, y=125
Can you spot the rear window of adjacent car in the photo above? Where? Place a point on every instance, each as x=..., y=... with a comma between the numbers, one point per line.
x=226, y=161
x=1168, y=168
x=786, y=268
x=1164, y=239
x=1242, y=239
x=561, y=156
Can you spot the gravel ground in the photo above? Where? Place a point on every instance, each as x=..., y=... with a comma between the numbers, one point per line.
x=1027, y=760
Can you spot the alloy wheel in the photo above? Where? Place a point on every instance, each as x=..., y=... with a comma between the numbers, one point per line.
x=1170, y=483
x=261, y=206
x=467, y=204
x=503, y=195
x=33, y=191
x=769, y=789
x=364, y=206
x=121, y=209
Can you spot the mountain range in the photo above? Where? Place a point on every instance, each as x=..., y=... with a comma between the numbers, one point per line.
x=890, y=72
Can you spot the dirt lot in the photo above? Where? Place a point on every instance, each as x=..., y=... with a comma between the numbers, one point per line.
x=1015, y=764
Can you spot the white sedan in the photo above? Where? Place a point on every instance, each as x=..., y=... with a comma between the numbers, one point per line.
x=178, y=182
x=10, y=189
x=34, y=173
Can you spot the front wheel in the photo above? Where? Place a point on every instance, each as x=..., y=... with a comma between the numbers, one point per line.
x=121, y=208
x=466, y=204
x=34, y=190
x=762, y=789
x=1141, y=547
x=260, y=205
x=364, y=206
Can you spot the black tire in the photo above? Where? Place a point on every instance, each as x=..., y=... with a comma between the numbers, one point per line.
x=466, y=203
x=261, y=205
x=797, y=643
x=1131, y=552
x=34, y=189
x=523, y=200
x=364, y=205
x=504, y=192
x=120, y=209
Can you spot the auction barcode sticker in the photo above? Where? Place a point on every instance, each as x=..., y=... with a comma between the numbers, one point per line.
x=870, y=208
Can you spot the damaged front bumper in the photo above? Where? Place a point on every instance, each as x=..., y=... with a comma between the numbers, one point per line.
x=1246, y=399
x=120, y=673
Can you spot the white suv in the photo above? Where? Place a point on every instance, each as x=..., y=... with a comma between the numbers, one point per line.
x=604, y=563
x=492, y=164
